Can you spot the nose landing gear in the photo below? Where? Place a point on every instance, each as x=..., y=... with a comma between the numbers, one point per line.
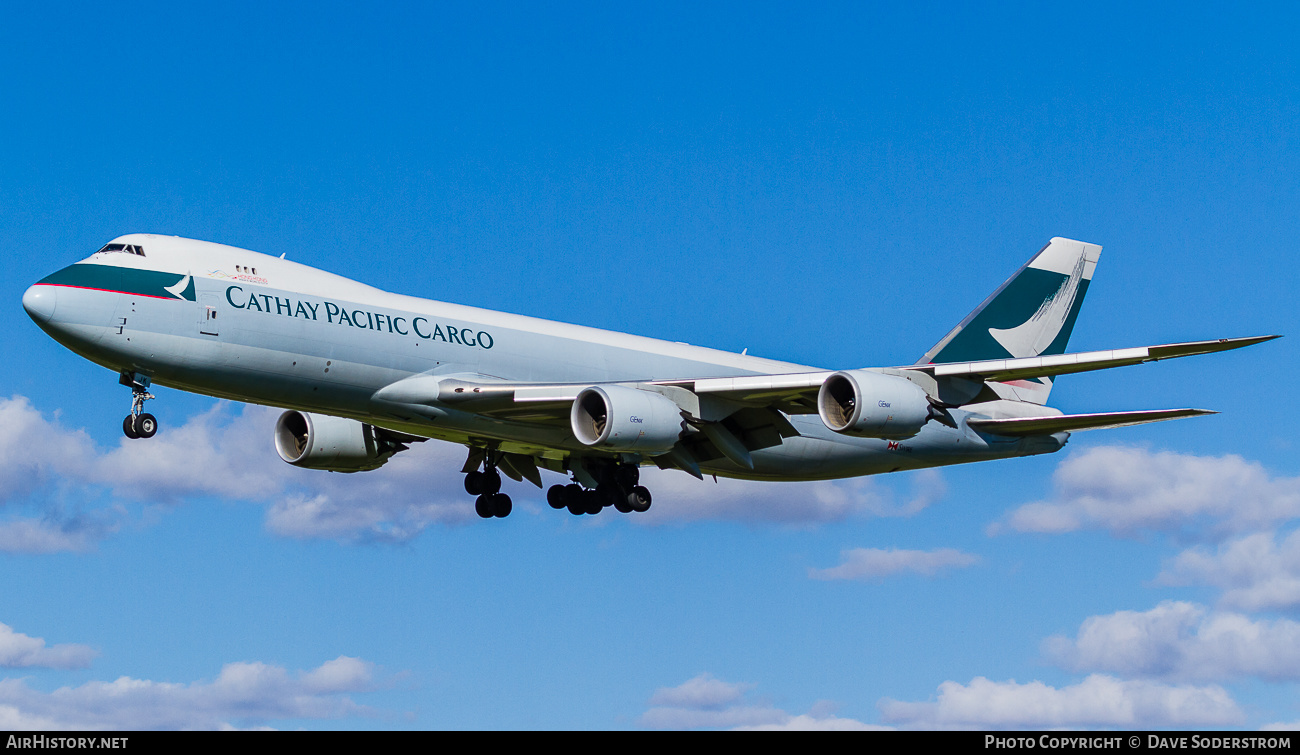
x=138, y=424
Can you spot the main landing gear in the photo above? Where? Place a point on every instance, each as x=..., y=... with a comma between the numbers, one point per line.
x=616, y=486
x=487, y=486
x=138, y=424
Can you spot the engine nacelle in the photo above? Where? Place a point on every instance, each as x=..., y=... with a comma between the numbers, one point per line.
x=319, y=441
x=618, y=418
x=872, y=405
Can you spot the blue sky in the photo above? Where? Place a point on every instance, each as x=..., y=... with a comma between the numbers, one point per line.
x=836, y=186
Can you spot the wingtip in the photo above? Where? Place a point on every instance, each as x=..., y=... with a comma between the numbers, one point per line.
x=1237, y=343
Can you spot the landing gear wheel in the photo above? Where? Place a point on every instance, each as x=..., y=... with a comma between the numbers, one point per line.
x=555, y=496
x=474, y=483
x=573, y=499
x=608, y=495
x=591, y=502
x=624, y=504
x=491, y=482
x=640, y=499
x=145, y=425
x=501, y=505
x=483, y=506
x=627, y=476
x=138, y=424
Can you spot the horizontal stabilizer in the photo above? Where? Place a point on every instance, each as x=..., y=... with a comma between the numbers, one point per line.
x=1075, y=422
x=1002, y=370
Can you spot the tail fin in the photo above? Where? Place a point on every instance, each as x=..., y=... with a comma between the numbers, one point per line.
x=1030, y=315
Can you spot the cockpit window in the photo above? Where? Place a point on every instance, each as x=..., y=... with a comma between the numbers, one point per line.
x=126, y=248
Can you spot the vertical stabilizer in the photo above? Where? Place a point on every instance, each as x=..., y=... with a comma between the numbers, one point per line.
x=1030, y=315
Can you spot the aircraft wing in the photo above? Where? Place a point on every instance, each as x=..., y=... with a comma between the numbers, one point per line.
x=1076, y=422
x=727, y=426
x=793, y=393
x=797, y=393
x=736, y=415
x=1002, y=370
x=482, y=394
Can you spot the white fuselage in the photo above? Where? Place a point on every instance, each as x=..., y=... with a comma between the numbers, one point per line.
x=236, y=324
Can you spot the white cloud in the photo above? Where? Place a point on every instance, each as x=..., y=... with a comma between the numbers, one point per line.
x=232, y=457
x=705, y=702
x=727, y=718
x=417, y=488
x=218, y=453
x=1126, y=490
x=18, y=650
x=1182, y=641
x=227, y=453
x=1097, y=701
x=35, y=451
x=701, y=692
x=876, y=563
x=679, y=497
x=215, y=453
x=1255, y=572
x=808, y=722
x=343, y=674
x=54, y=533
x=242, y=694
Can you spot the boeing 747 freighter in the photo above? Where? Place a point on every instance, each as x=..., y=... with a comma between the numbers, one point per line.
x=363, y=373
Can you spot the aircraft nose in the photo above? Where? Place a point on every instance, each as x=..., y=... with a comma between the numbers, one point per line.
x=39, y=301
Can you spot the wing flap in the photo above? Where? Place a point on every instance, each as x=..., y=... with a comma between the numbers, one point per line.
x=1021, y=426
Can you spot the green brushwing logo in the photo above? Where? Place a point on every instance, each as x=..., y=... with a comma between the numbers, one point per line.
x=1033, y=315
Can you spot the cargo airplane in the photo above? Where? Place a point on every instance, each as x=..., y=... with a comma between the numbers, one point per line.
x=363, y=373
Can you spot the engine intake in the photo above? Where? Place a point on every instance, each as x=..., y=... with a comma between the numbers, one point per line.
x=872, y=405
x=319, y=441
x=618, y=418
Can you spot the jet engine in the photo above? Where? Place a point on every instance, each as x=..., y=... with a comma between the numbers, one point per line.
x=622, y=419
x=319, y=441
x=872, y=405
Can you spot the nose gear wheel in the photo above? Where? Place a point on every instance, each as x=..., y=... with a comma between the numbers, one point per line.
x=139, y=423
